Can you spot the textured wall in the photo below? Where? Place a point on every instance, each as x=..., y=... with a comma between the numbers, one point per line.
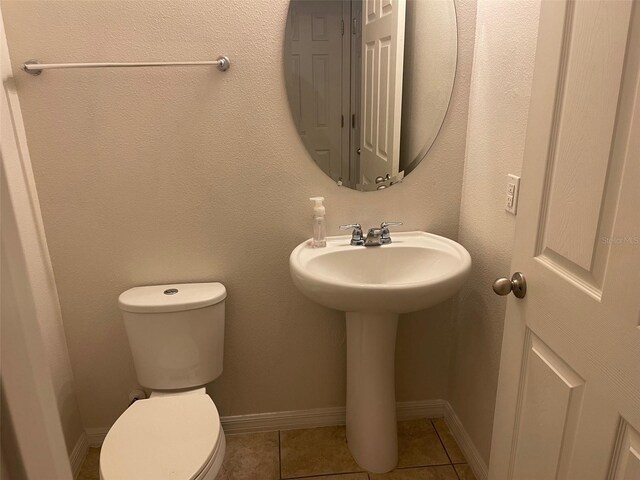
x=187, y=174
x=506, y=34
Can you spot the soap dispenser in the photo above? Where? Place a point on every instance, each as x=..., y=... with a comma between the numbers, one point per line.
x=319, y=229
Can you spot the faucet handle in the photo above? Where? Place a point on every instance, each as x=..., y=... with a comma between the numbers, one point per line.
x=356, y=235
x=349, y=226
x=390, y=224
x=385, y=235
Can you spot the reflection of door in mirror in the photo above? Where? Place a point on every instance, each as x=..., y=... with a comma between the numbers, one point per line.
x=355, y=66
x=383, y=26
x=314, y=41
x=325, y=63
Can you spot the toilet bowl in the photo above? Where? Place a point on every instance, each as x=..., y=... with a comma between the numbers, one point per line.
x=176, y=336
x=165, y=437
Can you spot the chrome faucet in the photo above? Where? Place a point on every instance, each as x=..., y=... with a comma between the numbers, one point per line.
x=376, y=236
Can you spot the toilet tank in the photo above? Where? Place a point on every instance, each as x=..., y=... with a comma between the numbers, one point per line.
x=176, y=333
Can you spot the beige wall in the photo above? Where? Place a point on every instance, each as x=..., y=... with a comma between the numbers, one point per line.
x=506, y=34
x=19, y=185
x=180, y=175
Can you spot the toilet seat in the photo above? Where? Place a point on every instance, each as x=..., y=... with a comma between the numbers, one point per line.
x=165, y=438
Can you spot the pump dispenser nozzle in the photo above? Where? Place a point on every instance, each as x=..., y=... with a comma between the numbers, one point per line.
x=318, y=209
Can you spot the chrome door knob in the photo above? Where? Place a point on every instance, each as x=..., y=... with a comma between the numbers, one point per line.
x=517, y=285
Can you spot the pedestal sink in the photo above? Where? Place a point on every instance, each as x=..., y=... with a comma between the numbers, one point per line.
x=373, y=285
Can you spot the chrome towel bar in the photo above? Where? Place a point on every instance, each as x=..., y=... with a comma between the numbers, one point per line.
x=32, y=67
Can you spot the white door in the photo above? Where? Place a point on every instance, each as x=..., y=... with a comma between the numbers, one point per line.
x=568, y=403
x=383, y=25
x=314, y=51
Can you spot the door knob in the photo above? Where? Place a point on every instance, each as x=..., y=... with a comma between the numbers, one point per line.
x=517, y=285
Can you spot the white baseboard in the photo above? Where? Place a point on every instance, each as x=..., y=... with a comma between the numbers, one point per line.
x=264, y=422
x=421, y=409
x=78, y=454
x=325, y=417
x=95, y=436
x=320, y=417
x=317, y=417
x=471, y=453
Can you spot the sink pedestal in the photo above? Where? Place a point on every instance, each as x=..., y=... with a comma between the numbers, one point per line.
x=417, y=271
x=371, y=401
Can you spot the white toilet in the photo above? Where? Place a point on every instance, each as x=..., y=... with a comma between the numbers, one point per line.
x=176, y=334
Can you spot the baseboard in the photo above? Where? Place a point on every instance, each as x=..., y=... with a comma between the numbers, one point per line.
x=325, y=417
x=317, y=417
x=421, y=409
x=471, y=453
x=78, y=454
x=320, y=417
x=264, y=422
x=95, y=436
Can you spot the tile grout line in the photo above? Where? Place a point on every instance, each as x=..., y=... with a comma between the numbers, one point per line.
x=315, y=475
x=456, y=472
x=339, y=474
x=408, y=467
x=279, y=456
x=445, y=449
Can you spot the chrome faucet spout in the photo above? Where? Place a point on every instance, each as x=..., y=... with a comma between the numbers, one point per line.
x=374, y=238
x=377, y=236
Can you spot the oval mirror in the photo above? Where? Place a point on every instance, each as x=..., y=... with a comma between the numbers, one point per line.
x=369, y=83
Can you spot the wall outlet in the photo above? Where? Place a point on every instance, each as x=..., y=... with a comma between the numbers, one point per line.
x=513, y=190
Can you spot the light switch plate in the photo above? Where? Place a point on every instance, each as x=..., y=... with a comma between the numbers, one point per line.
x=513, y=190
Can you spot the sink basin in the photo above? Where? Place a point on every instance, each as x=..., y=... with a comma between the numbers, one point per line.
x=373, y=285
x=416, y=271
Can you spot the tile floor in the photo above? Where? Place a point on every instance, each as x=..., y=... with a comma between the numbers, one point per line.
x=426, y=450
x=90, y=468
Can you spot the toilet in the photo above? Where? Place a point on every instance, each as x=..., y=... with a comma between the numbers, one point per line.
x=176, y=335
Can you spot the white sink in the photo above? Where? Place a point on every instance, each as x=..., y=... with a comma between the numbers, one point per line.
x=416, y=271
x=373, y=285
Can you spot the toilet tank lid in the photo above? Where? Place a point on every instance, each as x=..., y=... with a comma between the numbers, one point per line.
x=171, y=298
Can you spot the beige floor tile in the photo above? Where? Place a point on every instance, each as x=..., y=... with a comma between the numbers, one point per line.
x=444, y=472
x=418, y=444
x=90, y=469
x=315, y=451
x=449, y=442
x=251, y=456
x=464, y=472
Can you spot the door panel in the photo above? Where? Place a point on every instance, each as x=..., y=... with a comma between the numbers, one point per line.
x=626, y=464
x=314, y=51
x=571, y=348
x=383, y=26
x=548, y=406
x=583, y=173
x=584, y=124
